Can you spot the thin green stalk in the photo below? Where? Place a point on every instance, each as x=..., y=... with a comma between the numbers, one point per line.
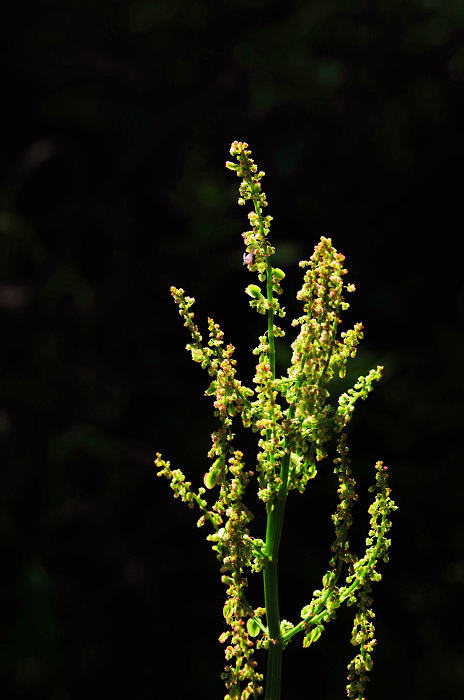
x=274, y=528
x=270, y=318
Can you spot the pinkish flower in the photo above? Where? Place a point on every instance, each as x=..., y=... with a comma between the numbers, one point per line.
x=248, y=257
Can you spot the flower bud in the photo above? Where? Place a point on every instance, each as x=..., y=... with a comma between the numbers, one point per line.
x=278, y=274
x=316, y=633
x=254, y=291
x=210, y=478
x=313, y=635
x=252, y=627
x=368, y=663
x=219, y=462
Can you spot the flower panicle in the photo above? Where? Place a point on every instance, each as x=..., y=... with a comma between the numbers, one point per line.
x=291, y=442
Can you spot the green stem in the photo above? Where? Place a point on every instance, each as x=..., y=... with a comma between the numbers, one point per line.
x=274, y=660
x=274, y=672
x=270, y=318
x=275, y=522
x=273, y=535
x=275, y=516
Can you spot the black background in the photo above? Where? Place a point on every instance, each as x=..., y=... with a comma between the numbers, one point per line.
x=117, y=118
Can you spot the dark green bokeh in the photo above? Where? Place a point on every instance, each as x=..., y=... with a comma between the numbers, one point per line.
x=117, y=119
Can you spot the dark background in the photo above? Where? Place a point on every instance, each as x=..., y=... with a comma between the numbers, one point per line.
x=117, y=118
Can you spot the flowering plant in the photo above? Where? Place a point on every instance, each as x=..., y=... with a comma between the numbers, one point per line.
x=294, y=420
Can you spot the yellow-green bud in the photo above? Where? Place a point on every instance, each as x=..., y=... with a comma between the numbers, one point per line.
x=210, y=478
x=277, y=273
x=252, y=627
x=369, y=663
x=254, y=291
x=313, y=636
x=218, y=463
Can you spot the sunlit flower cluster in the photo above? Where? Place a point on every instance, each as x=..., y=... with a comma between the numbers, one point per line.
x=295, y=422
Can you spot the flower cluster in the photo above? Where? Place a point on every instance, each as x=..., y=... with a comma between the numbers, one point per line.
x=295, y=423
x=258, y=248
x=361, y=572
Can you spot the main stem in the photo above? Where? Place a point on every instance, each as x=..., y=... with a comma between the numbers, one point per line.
x=276, y=512
x=271, y=596
x=275, y=521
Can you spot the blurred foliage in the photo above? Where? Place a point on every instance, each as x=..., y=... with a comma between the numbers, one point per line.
x=117, y=118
